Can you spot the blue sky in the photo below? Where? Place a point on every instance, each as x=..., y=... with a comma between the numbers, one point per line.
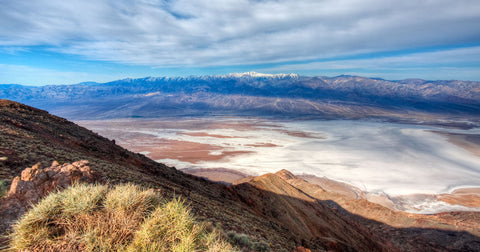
x=65, y=42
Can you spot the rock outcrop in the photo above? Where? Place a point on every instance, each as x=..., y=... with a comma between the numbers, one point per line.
x=36, y=182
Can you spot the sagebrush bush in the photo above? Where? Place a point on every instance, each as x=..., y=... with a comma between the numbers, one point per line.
x=245, y=242
x=123, y=218
x=240, y=240
x=261, y=246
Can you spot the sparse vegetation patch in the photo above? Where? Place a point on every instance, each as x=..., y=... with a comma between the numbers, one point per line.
x=123, y=218
x=246, y=243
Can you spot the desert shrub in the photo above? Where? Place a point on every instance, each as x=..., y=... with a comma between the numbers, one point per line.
x=245, y=242
x=178, y=230
x=4, y=187
x=123, y=218
x=240, y=240
x=261, y=246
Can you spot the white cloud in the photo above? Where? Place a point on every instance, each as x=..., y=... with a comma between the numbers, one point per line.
x=203, y=33
x=444, y=64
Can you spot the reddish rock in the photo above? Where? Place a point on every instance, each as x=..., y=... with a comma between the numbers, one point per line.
x=302, y=249
x=285, y=175
x=36, y=182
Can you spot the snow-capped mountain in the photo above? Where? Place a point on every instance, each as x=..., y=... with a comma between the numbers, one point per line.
x=254, y=93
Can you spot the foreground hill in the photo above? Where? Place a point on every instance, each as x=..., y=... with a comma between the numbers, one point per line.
x=277, y=209
x=256, y=94
x=29, y=136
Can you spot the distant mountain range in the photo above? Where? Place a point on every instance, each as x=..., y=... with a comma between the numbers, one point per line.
x=253, y=94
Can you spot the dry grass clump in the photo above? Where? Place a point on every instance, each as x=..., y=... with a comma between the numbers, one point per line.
x=123, y=218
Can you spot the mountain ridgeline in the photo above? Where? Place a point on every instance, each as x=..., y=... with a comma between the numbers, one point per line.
x=252, y=94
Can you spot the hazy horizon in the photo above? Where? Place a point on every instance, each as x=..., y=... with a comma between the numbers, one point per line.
x=186, y=76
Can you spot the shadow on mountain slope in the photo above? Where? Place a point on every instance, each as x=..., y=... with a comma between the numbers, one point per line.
x=324, y=224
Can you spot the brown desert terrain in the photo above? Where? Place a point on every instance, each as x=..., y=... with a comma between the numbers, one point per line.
x=469, y=142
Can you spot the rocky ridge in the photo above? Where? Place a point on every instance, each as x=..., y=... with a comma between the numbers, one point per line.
x=395, y=230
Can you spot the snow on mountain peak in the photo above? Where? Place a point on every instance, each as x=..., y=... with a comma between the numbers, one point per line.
x=255, y=74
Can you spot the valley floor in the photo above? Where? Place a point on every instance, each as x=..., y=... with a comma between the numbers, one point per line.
x=412, y=168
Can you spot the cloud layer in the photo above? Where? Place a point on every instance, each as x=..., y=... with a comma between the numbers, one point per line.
x=443, y=64
x=211, y=33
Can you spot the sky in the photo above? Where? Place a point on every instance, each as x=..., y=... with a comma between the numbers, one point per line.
x=46, y=42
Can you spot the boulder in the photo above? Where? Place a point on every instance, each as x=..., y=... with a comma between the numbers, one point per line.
x=36, y=182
